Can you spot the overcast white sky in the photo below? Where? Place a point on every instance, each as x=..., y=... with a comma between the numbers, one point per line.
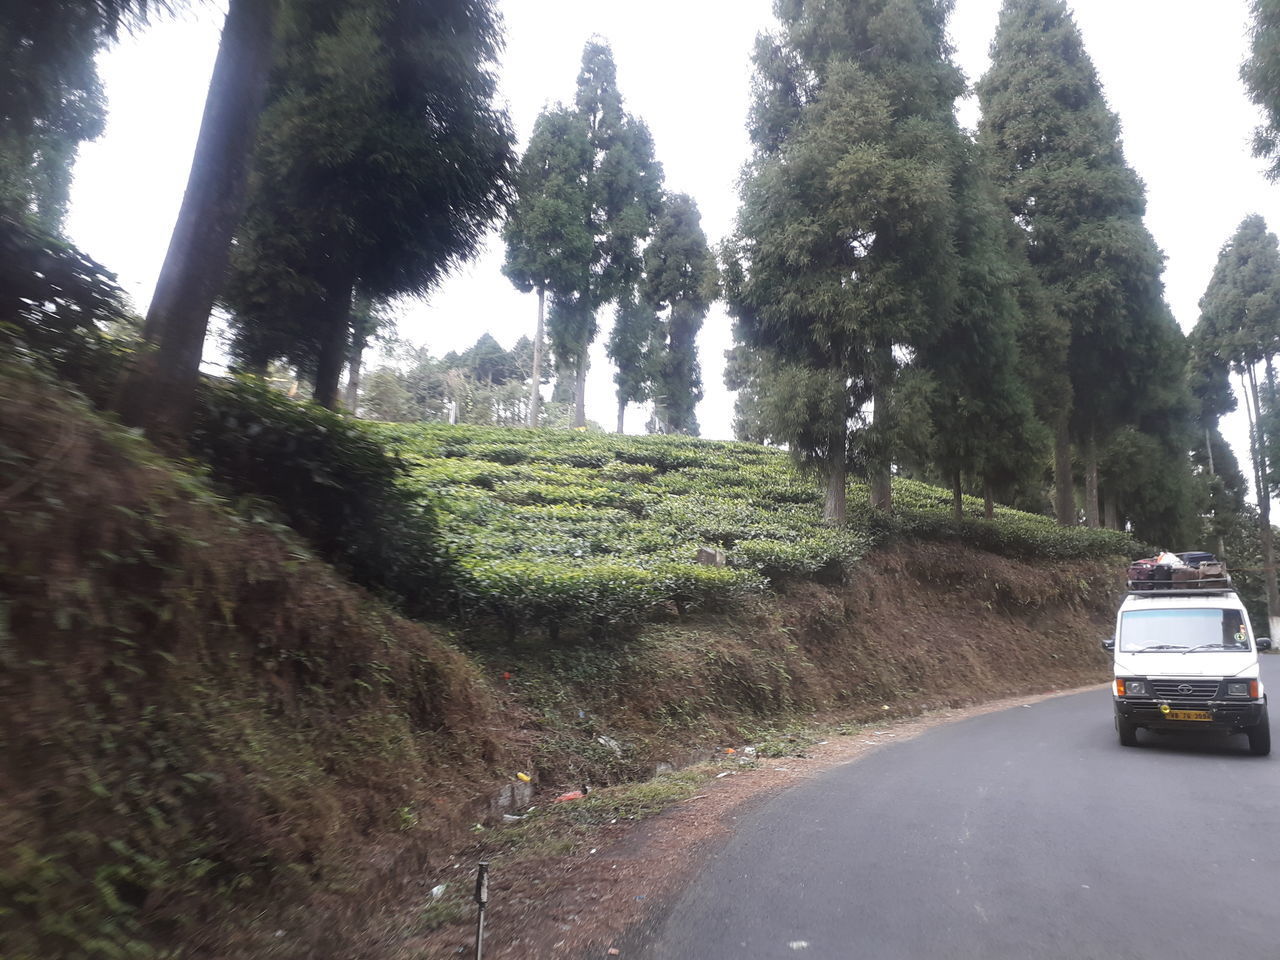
x=1169, y=68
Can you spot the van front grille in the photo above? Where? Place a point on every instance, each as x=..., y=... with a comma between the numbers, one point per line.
x=1178, y=689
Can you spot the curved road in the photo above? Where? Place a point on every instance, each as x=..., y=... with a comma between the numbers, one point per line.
x=1025, y=833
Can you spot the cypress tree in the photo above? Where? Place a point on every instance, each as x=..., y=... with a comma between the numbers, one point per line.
x=632, y=348
x=549, y=241
x=1240, y=323
x=624, y=190
x=844, y=255
x=1059, y=163
x=983, y=420
x=680, y=281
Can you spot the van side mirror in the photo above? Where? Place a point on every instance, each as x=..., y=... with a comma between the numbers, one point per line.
x=1264, y=643
x=1110, y=644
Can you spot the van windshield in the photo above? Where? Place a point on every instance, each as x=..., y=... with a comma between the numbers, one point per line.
x=1187, y=630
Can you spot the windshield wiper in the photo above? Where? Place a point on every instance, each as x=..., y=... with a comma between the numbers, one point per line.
x=1160, y=646
x=1208, y=646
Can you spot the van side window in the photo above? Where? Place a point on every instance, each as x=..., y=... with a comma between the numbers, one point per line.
x=1233, y=632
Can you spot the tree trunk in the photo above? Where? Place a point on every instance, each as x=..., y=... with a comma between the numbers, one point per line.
x=835, y=503
x=988, y=501
x=1063, y=481
x=957, y=497
x=580, y=392
x=622, y=414
x=333, y=346
x=1091, y=479
x=1264, y=500
x=1111, y=510
x=535, y=383
x=354, y=360
x=158, y=391
x=879, y=479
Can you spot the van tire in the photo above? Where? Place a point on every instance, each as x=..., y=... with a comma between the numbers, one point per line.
x=1129, y=733
x=1260, y=737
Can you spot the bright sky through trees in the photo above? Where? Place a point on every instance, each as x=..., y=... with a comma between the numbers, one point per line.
x=1169, y=69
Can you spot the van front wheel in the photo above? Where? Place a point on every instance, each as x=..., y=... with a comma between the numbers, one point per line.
x=1129, y=733
x=1260, y=736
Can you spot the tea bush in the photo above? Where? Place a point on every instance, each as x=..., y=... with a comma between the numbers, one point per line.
x=565, y=528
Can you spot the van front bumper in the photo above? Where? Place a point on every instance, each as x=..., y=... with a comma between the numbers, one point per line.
x=1225, y=714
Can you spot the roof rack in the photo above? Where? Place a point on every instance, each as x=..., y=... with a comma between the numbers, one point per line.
x=1180, y=588
x=1160, y=594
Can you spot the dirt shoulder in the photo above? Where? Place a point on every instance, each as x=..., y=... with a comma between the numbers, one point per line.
x=587, y=904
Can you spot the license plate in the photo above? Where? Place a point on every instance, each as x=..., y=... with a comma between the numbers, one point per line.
x=1188, y=715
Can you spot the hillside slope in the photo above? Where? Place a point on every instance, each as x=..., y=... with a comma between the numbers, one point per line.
x=213, y=746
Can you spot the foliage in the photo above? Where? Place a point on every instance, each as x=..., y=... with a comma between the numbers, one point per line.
x=53, y=296
x=1261, y=76
x=381, y=160
x=680, y=280
x=51, y=98
x=844, y=249
x=981, y=414
x=334, y=483
x=616, y=183
x=1057, y=156
x=561, y=528
x=484, y=385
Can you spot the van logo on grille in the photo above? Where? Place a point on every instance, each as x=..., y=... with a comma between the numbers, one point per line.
x=1185, y=688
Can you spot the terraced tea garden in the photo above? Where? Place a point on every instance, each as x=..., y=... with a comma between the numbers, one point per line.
x=573, y=528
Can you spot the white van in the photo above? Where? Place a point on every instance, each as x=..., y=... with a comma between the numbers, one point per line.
x=1187, y=661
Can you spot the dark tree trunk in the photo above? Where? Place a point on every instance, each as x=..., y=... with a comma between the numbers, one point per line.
x=1063, y=481
x=988, y=501
x=1111, y=510
x=1091, y=479
x=580, y=392
x=535, y=382
x=622, y=415
x=336, y=318
x=158, y=391
x=957, y=497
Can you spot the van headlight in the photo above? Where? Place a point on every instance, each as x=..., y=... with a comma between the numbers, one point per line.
x=1242, y=688
x=1136, y=688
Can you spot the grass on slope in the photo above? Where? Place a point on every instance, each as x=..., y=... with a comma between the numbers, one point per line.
x=571, y=528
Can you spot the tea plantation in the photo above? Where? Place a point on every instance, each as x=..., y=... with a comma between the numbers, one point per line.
x=563, y=528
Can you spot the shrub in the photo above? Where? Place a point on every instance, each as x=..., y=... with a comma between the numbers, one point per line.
x=335, y=483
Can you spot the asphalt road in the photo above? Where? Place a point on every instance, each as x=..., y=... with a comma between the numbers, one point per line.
x=1029, y=833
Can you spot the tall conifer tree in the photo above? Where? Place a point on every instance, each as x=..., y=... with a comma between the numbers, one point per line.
x=680, y=283
x=624, y=187
x=1240, y=321
x=844, y=253
x=549, y=240
x=983, y=419
x=1057, y=155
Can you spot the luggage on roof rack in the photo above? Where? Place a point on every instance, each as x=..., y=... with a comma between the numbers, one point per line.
x=1167, y=572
